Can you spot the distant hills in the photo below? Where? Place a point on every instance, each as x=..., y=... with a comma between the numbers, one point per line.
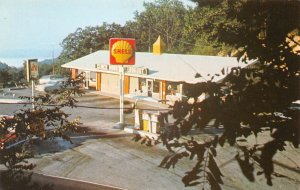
x=3, y=66
x=47, y=61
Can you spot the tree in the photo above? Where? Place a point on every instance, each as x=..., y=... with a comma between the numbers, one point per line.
x=249, y=101
x=163, y=17
x=4, y=76
x=88, y=40
x=46, y=121
x=176, y=24
x=10, y=74
x=85, y=41
x=199, y=41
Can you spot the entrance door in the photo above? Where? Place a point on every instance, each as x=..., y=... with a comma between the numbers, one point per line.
x=87, y=79
x=149, y=87
x=110, y=83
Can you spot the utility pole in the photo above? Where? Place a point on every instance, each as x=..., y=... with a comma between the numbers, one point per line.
x=53, y=62
x=149, y=39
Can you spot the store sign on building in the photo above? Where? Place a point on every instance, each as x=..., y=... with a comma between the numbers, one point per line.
x=122, y=51
x=128, y=69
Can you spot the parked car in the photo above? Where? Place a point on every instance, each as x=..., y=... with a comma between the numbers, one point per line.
x=51, y=78
x=52, y=87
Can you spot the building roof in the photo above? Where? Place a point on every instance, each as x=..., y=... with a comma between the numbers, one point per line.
x=170, y=67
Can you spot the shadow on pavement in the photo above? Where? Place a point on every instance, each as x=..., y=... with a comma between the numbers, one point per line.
x=77, y=139
x=31, y=181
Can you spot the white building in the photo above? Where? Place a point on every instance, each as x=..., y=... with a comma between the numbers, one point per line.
x=158, y=75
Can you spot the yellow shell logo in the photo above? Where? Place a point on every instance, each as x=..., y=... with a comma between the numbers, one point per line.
x=122, y=51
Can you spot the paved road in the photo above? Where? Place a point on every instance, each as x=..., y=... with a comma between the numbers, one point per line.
x=96, y=118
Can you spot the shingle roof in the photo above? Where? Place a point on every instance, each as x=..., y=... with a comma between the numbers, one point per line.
x=171, y=67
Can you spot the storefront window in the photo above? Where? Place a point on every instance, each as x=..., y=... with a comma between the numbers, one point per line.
x=142, y=84
x=156, y=87
x=93, y=76
x=173, y=88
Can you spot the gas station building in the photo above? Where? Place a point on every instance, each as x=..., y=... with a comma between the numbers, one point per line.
x=157, y=75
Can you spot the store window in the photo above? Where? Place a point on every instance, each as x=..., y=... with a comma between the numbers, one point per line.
x=173, y=88
x=93, y=76
x=142, y=84
x=156, y=87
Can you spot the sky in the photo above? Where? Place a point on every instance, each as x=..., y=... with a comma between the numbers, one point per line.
x=35, y=28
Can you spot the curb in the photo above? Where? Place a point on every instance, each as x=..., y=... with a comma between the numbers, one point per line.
x=130, y=129
x=59, y=182
x=141, y=101
x=81, y=181
x=12, y=101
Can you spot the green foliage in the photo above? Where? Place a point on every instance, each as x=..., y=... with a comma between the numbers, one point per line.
x=10, y=74
x=50, y=66
x=88, y=40
x=163, y=17
x=45, y=69
x=3, y=66
x=184, y=30
x=249, y=101
x=4, y=76
x=15, y=180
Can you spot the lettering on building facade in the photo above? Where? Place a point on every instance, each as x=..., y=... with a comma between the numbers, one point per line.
x=127, y=69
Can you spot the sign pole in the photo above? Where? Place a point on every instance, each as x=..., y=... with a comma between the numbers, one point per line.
x=122, y=96
x=122, y=52
x=32, y=94
x=32, y=73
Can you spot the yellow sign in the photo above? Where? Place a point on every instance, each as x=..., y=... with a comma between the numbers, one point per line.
x=122, y=51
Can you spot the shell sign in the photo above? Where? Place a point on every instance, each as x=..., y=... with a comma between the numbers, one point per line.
x=122, y=51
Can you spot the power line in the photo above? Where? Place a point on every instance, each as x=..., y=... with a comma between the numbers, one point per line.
x=90, y=107
x=184, y=42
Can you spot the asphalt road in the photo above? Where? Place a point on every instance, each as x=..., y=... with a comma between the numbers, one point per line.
x=105, y=111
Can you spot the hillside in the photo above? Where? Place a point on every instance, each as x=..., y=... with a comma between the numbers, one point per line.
x=3, y=66
x=47, y=61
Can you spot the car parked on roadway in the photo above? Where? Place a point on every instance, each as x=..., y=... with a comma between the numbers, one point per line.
x=55, y=86
x=49, y=83
x=51, y=78
x=51, y=86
